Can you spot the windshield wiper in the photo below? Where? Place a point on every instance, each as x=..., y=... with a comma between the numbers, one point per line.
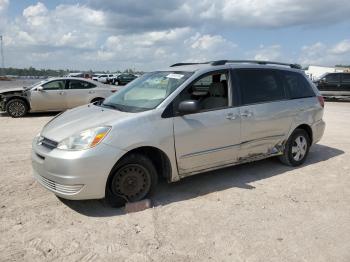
x=113, y=106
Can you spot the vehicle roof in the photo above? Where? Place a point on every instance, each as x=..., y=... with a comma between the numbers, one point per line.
x=73, y=78
x=204, y=67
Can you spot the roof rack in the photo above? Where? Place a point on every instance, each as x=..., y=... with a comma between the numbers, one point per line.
x=223, y=62
x=184, y=64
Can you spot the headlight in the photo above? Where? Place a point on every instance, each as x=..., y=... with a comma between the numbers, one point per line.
x=86, y=139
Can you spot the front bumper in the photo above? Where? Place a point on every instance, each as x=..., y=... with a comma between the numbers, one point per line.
x=74, y=175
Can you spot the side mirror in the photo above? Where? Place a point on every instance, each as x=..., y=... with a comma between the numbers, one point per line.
x=189, y=107
x=39, y=88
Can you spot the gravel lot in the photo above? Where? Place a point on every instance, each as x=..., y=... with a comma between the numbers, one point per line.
x=262, y=211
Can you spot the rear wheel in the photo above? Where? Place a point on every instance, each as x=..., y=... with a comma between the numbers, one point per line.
x=296, y=149
x=98, y=100
x=133, y=179
x=16, y=108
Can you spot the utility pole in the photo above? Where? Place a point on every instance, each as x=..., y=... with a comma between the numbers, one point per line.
x=2, y=71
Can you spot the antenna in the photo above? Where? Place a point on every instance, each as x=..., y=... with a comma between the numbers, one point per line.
x=2, y=71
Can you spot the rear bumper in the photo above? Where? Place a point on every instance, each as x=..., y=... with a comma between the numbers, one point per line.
x=74, y=175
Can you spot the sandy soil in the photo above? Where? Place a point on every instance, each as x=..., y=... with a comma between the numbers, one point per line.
x=256, y=212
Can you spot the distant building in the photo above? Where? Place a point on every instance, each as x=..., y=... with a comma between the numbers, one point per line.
x=315, y=72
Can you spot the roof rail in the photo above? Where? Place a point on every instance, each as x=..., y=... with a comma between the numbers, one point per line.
x=223, y=62
x=184, y=64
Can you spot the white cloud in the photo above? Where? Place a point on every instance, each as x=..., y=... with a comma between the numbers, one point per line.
x=322, y=54
x=3, y=5
x=341, y=48
x=271, y=53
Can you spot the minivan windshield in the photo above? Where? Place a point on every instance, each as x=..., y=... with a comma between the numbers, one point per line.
x=147, y=91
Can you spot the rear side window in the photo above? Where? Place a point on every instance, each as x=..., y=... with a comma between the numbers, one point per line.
x=76, y=84
x=346, y=78
x=297, y=85
x=258, y=86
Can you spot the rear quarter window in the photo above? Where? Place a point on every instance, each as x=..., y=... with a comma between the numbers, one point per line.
x=296, y=85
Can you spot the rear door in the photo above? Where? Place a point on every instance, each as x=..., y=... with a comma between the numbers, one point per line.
x=345, y=84
x=210, y=137
x=265, y=112
x=51, y=98
x=79, y=93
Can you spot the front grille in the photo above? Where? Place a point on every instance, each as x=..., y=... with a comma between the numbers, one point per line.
x=49, y=143
x=59, y=188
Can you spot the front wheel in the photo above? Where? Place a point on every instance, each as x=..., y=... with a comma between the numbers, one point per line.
x=296, y=148
x=16, y=108
x=133, y=179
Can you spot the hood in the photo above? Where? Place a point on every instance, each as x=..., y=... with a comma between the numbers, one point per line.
x=79, y=119
x=11, y=90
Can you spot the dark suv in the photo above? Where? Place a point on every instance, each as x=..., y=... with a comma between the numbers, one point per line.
x=124, y=79
x=334, y=85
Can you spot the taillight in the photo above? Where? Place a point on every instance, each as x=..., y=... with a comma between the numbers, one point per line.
x=321, y=100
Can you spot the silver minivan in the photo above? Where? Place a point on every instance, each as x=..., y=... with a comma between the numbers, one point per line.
x=177, y=122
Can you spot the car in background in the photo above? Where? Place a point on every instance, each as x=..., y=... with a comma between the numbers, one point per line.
x=54, y=94
x=79, y=75
x=334, y=85
x=124, y=79
x=104, y=78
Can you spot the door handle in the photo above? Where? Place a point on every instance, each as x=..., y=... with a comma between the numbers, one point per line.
x=61, y=93
x=246, y=114
x=231, y=116
x=91, y=92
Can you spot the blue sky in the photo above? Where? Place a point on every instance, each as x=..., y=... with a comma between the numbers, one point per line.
x=112, y=35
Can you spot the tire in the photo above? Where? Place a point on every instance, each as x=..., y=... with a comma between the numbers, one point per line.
x=124, y=184
x=16, y=108
x=296, y=149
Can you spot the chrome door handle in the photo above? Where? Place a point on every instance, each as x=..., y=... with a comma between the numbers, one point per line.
x=231, y=116
x=247, y=114
x=91, y=92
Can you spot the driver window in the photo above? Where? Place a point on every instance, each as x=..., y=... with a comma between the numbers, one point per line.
x=54, y=85
x=211, y=91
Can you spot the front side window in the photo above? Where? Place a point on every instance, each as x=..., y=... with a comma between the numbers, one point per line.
x=211, y=91
x=147, y=92
x=297, y=85
x=333, y=78
x=258, y=86
x=55, y=85
x=76, y=84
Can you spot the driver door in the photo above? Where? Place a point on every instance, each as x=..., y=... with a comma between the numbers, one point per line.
x=209, y=138
x=52, y=97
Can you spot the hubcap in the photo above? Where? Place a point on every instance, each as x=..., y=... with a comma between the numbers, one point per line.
x=299, y=148
x=16, y=109
x=132, y=181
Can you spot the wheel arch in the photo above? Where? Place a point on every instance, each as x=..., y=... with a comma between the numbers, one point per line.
x=158, y=157
x=8, y=99
x=307, y=129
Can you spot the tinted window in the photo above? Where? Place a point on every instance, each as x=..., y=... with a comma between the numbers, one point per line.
x=346, y=78
x=259, y=86
x=297, y=85
x=332, y=77
x=75, y=84
x=54, y=85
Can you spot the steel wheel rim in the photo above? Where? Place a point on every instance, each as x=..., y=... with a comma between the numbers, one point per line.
x=299, y=148
x=132, y=181
x=16, y=109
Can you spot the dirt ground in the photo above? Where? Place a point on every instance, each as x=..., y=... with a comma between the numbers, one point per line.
x=255, y=212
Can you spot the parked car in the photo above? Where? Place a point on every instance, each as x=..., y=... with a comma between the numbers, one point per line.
x=177, y=122
x=334, y=85
x=104, y=78
x=124, y=79
x=55, y=94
